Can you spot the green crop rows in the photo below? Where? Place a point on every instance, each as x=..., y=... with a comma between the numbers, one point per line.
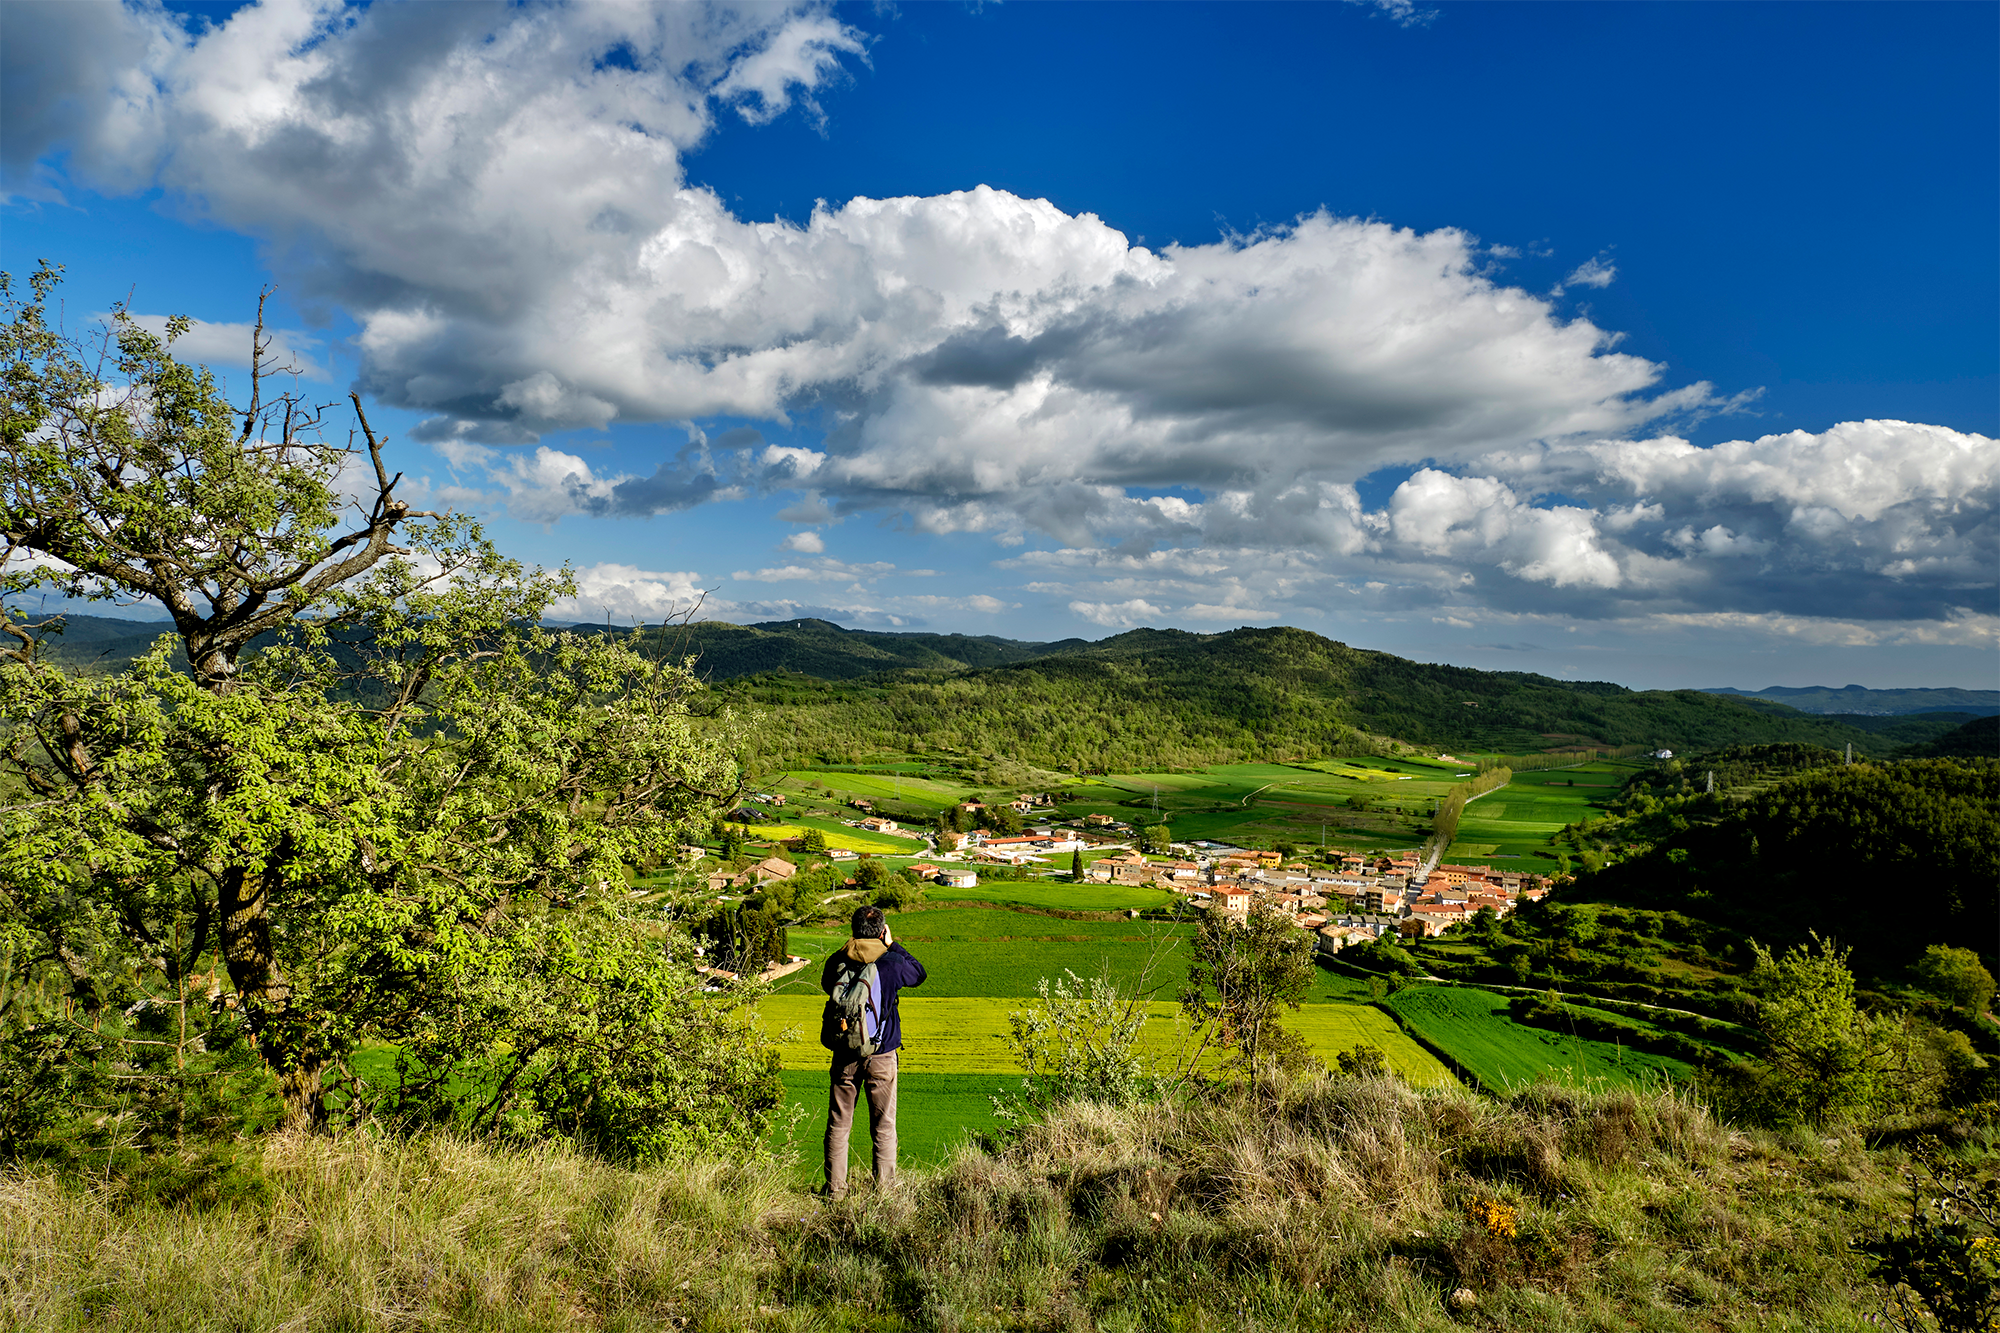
x=1472, y=1027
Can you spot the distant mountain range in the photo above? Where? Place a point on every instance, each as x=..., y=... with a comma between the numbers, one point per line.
x=1238, y=693
x=1877, y=703
x=1148, y=698
x=106, y=643
x=823, y=649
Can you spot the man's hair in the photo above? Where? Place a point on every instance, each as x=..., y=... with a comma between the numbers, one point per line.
x=868, y=923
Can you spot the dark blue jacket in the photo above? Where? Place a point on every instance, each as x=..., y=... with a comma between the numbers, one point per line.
x=894, y=967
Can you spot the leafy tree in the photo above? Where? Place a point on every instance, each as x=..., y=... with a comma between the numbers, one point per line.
x=406, y=815
x=1573, y=925
x=1241, y=974
x=1957, y=977
x=1156, y=838
x=1076, y=864
x=1823, y=1057
x=814, y=841
x=899, y=895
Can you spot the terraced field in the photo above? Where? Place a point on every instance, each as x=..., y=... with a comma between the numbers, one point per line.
x=1472, y=1027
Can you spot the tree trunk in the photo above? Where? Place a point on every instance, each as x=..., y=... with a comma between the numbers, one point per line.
x=283, y=1038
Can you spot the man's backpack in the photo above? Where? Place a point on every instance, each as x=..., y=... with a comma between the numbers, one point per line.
x=852, y=1024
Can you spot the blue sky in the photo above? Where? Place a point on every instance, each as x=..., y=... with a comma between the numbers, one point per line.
x=1651, y=343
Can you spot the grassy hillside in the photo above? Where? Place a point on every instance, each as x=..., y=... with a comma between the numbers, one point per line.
x=1154, y=699
x=1315, y=1204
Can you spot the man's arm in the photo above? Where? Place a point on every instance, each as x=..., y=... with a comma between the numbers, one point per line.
x=910, y=971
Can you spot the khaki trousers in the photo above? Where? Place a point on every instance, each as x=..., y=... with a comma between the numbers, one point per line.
x=876, y=1074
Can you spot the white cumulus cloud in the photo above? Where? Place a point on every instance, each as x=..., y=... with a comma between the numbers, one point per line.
x=498, y=197
x=627, y=594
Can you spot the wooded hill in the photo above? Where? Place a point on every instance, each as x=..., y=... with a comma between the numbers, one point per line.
x=1151, y=699
x=1979, y=738
x=1886, y=857
x=823, y=649
x=1167, y=698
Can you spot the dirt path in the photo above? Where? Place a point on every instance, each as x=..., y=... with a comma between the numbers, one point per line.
x=1245, y=802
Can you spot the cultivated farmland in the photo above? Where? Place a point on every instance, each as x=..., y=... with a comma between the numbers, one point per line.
x=970, y=1035
x=927, y=793
x=974, y=951
x=1472, y=1027
x=839, y=835
x=1521, y=818
x=1059, y=895
x=1299, y=803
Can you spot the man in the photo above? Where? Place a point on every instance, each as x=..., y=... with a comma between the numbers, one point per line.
x=864, y=1031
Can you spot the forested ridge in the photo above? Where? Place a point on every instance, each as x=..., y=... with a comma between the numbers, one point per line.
x=723, y=651
x=1167, y=698
x=1151, y=699
x=1886, y=857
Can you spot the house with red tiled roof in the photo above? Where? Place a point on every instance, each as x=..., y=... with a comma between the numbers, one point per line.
x=1234, y=901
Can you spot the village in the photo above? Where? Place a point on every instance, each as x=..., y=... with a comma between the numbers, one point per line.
x=1342, y=897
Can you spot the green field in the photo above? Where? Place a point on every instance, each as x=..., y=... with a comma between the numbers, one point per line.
x=1473, y=1028
x=934, y=1112
x=973, y=951
x=927, y=793
x=1059, y=895
x=1522, y=817
x=993, y=951
x=1264, y=803
x=971, y=1036
x=840, y=835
